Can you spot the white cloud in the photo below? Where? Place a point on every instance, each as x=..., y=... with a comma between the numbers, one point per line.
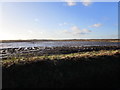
x=74, y=30
x=62, y=24
x=86, y=2
x=30, y=31
x=96, y=25
x=73, y=2
x=78, y=31
x=70, y=2
x=36, y=19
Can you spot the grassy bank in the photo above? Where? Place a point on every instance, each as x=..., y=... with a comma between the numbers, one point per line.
x=24, y=60
x=97, y=69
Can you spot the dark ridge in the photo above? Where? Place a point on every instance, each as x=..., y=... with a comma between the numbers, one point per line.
x=33, y=40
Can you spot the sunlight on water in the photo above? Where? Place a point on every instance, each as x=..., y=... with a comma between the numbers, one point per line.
x=56, y=43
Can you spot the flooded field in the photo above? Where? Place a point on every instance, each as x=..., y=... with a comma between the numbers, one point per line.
x=56, y=44
x=9, y=50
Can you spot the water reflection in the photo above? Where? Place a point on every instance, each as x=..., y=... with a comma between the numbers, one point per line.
x=56, y=44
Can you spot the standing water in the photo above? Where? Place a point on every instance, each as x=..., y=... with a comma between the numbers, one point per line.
x=56, y=44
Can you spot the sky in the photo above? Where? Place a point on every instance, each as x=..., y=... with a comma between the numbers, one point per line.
x=58, y=20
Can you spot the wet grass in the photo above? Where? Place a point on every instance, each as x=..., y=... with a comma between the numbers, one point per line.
x=96, y=69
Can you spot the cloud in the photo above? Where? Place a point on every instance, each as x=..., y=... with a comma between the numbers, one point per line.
x=86, y=2
x=36, y=19
x=78, y=31
x=70, y=2
x=96, y=25
x=62, y=24
x=74, y=30
x=73, y=2
x=30, y=31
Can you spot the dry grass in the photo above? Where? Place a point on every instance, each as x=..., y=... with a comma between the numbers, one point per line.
x=23, y=60
x=97, y=69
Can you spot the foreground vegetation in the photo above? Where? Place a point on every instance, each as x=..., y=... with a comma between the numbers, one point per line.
x=95, y=69
x=32, y=58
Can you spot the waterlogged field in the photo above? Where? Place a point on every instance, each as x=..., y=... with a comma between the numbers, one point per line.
x=65, y=66
x=15, y=44
x=10, y=49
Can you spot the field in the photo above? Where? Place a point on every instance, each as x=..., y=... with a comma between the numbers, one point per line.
x=89, y=69
x=98, y=40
